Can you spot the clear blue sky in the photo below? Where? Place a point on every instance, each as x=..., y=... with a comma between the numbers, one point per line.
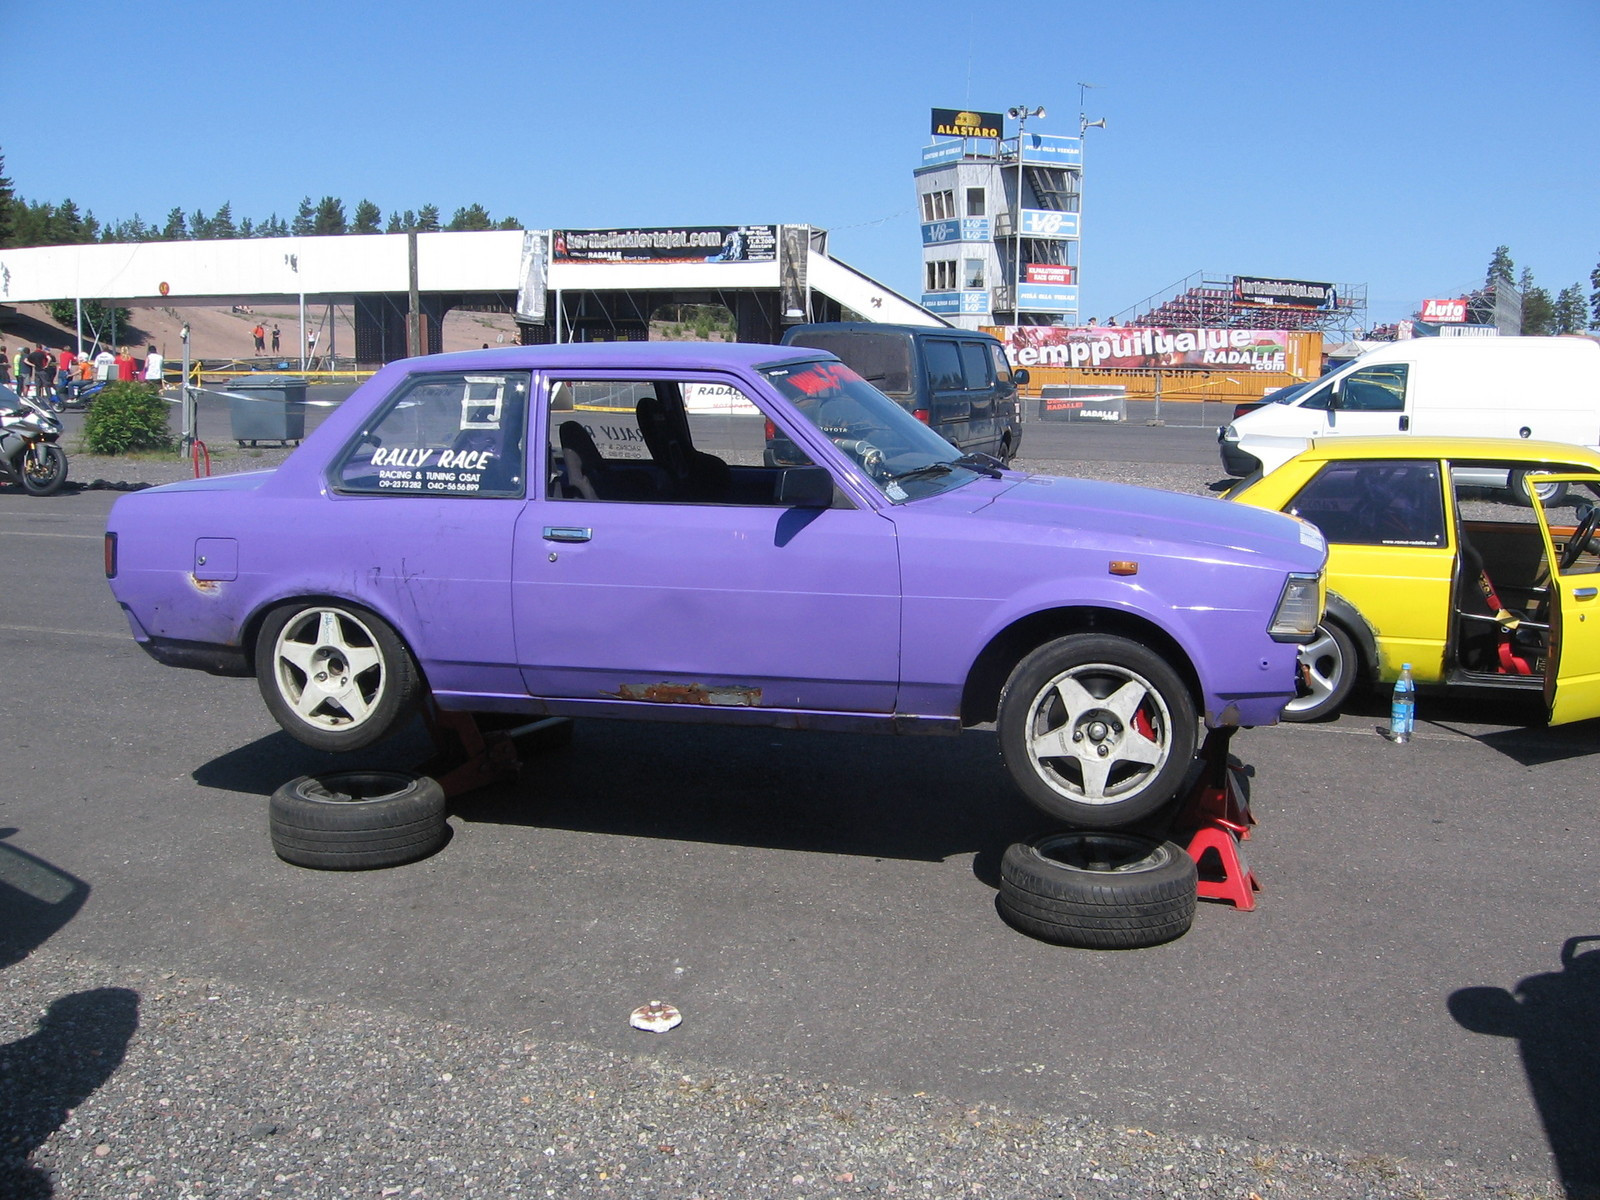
x=1392, y=144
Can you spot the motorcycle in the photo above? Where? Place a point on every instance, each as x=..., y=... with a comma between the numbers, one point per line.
x=29, y=454
x=76, y=393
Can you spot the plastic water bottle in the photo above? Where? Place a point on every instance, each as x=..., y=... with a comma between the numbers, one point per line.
x=1403, y=710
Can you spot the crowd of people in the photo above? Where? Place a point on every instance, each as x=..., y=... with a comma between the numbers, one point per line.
x=43, y=374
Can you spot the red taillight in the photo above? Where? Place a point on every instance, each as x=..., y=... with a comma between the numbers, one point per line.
x=920, y=414
x=1240, y=409
x=111, y=556
x=771, y=430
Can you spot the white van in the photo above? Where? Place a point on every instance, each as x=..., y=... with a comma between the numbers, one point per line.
x=1528, y=387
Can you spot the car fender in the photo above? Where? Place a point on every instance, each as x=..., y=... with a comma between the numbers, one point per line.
x=1360, y=630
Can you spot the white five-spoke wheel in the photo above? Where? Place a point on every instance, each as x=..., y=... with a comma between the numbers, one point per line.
x=1327, y=666
x=334, y=676
x=1096, y=730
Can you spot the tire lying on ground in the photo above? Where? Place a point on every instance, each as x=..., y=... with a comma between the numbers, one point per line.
x=1098, y=890
x=355, y=820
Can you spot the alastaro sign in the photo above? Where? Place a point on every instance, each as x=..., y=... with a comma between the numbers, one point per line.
x=956, y=122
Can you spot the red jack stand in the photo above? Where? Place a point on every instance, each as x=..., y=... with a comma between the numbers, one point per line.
x=469, y=756
x=1213, y=820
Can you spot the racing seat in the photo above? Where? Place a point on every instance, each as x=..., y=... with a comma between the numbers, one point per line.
x=1494, y=639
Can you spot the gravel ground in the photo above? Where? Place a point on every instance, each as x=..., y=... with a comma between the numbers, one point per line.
x=134, y=1082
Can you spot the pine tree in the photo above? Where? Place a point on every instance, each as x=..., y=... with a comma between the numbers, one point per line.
x=508, y=223
x=330, y=217
x=367, y=217
x=1594, y=298
x=473, y=217
x=305, y=220
x=200, y=226
x=428, y=219
x=222, y=222
x=175, y=230
x=8, y=203
x=1538, y=309
x=1500, y=267
x=1572, y=311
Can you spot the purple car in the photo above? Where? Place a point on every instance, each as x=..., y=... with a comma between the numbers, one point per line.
x=600, y=530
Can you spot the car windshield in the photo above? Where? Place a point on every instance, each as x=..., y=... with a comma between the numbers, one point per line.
x=903, y=457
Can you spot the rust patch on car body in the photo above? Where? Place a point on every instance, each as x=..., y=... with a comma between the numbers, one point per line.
x=691, y=693
x=206, y=587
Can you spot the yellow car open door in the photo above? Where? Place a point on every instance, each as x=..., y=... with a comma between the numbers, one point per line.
x=1570, y=522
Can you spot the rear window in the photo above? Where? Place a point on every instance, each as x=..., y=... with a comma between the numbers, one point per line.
x=882, y=359
x=944, y=365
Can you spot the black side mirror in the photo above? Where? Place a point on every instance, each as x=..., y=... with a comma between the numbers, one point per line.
x=805, y=487
x=1019, y=376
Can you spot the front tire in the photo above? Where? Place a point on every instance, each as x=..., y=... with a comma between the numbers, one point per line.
x=334, y=675
x=1097, y=730
x=1327, y=668
x=357, y=820
x=1101, y=891
x=43, y=478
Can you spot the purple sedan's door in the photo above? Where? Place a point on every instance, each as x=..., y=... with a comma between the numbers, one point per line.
x=659, y=567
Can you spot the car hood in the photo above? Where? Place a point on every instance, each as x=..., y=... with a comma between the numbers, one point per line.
x=243, y=481
x=1122, y=516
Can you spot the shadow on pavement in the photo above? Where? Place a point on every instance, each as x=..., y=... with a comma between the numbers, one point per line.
x=1555, y=1018
x=78, y=1043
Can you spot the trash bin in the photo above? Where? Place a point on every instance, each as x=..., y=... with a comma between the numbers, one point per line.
x=267, y=408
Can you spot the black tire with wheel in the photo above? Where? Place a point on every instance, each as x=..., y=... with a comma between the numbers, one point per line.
x=43, y=478
x=334, y=675
x=1549, y=493
x=1327, y=668
x=1101, y=891
x=1097, y=730
x=356, y=820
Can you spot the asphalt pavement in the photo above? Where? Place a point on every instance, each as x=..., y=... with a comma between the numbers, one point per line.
x=1405, y=1013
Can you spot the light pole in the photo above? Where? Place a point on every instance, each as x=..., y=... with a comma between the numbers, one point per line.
x=1020, y=115
x=1084, y=125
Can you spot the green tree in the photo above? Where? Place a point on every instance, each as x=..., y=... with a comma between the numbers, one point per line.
x=1538, y=309
x=200, y=226
x=1500, y=267
x=1571, y=310
x=330, y=217
x=175, y=230
x=473, y=217
x=508, y=223
x=222, y=225
x=8, y=203
x=1594, y=298
x=428, y=219
x=305, y=219
x=367, y=217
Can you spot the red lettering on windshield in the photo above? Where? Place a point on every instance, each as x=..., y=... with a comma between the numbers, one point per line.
x=819, y=378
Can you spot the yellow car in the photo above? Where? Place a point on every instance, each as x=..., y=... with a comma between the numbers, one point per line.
x=1439, y=555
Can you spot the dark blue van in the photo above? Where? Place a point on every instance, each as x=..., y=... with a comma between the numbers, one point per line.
x=955, y=380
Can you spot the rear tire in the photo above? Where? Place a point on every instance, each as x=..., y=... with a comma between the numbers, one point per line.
x=1100, y=891
x=357, y=820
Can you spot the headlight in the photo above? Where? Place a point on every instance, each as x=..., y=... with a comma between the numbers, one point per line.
x=1299, y=609
x=1229, y=433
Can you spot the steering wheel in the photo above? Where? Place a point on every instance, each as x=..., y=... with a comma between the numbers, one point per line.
x=1580, y=538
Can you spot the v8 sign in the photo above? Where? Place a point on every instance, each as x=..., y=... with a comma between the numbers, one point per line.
x=1442, y=311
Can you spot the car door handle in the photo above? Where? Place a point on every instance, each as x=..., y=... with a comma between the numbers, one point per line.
x=1585, y=593
x=566, y=533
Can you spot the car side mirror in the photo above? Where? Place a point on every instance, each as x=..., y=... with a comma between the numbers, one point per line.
x=805, y=487
x=1019, y=376
x=1335, y=397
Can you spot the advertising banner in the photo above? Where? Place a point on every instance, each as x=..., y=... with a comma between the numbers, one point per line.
x=1045, y=273
x=706, y=243
x=974, y=301
x=1048, y=297
x=532, y=290
x=960, y=229
x=1145, y=346
x=942, y=152
x=1286, y=293
x=1439, y=311
x=1052, y=149
x=793, y=295
x=956, y=122
x=1047, y=223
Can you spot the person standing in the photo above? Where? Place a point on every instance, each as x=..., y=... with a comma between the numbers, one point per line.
x=43, y=368
x=5, y=366
x=274, y=337
x=126, y=368
x=152, y=366
x=104, y=364
x=261, y=337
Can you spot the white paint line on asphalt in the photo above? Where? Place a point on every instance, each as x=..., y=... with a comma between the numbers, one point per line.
x=94, y=633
